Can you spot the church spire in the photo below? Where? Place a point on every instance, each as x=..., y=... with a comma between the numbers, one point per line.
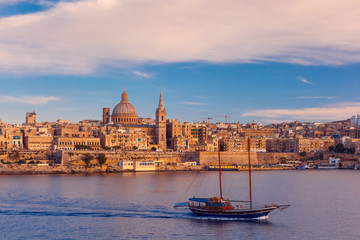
x=161, y=104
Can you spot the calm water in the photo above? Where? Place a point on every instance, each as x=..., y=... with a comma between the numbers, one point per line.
x=325, y=205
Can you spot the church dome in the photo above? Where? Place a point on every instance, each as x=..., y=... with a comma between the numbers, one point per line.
x=124, y=109
x=124, y=112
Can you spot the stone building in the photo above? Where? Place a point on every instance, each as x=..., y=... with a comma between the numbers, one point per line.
x=72, y=130
x=126, y=139
x=106, y=115
x=68, y=143
x=30, y=118
x=241, y=144
x=38, y=142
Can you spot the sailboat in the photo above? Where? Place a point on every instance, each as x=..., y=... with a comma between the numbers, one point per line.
x=219, y=207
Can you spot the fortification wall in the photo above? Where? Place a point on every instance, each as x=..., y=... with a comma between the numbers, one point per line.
x=229, y=158
x=113, y=157
x=69, y=158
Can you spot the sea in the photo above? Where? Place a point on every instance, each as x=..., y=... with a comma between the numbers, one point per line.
x=325, y=204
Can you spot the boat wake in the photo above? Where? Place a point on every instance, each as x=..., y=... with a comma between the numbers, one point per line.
x=130, y=211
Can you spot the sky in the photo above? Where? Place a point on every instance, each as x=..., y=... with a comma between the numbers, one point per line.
x=263, y=60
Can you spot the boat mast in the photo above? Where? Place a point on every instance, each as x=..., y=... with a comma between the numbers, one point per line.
x=249, y=173
x=219, y=171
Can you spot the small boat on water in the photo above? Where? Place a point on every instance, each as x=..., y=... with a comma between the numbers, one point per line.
x=219, y=207
x=301, y=167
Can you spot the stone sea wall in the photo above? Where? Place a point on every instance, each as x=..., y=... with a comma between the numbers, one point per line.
x=229, y=158
x=113, y=157
x=69, y=158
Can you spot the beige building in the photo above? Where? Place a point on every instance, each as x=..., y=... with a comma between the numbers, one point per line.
x=3, y=142
x=312, y=144
x=126, y=139
x=12, y=137
x=39, y=142
x=240, y=144
x=276, y=145
x=73, y=130
x=68, y=143
x=30, y=118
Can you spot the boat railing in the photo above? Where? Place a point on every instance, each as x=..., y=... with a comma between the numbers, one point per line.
x=246, y=205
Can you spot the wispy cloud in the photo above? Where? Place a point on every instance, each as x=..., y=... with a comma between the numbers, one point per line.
x=179, y=31
x=142, y=74
x=10, y=2
x=194, y=103
x=304, y=80
x=316, y=97
x=45, y=3
x=327, y=113
x=202, y=97
x=33, y=100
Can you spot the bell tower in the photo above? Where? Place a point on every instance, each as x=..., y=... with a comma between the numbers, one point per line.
x=160, y=129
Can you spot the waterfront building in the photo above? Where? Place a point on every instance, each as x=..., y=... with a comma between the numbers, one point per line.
x=140, y=166
x=126, y=165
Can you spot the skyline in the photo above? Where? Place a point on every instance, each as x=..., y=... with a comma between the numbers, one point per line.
x=263, y=61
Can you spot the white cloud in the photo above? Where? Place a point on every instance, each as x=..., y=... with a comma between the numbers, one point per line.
x=305, y=81
x=337, y=111
x=33, y=100
x=77, y=37
x=316, y=97
x=194, y=103
x=141, y=74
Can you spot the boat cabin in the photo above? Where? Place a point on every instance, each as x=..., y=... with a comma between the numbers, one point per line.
x=216, y=204
x=211, y=204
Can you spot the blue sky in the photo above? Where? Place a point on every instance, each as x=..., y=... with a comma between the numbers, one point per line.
x=247, y=59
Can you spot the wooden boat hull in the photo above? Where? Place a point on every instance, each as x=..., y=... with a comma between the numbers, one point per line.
x=239, y=214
